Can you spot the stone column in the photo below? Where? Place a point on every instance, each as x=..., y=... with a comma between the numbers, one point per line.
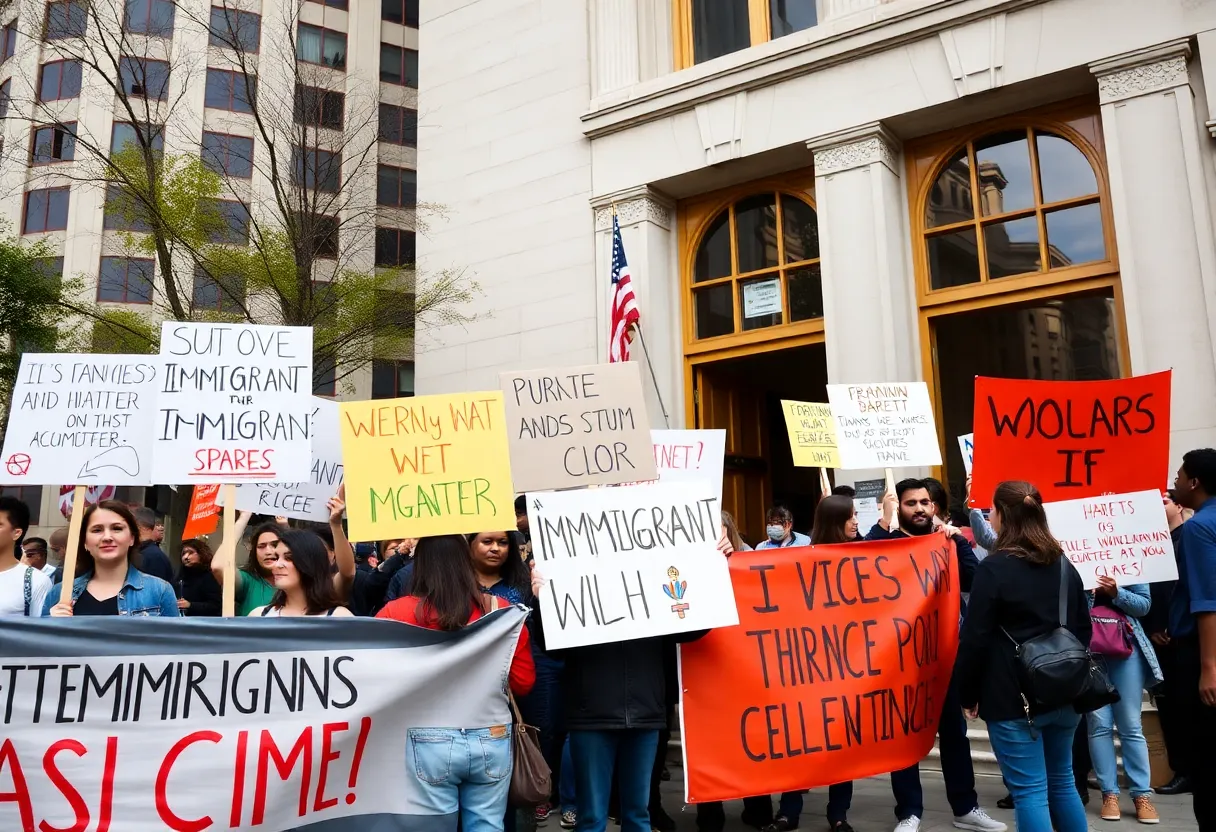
x=614, y=45
x=647, y=219
x=1163, y=228
x=869, y=306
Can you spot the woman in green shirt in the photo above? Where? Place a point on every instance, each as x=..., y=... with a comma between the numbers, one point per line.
x=254, y=584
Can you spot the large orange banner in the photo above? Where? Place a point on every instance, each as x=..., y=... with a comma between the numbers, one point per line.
x=1071, y=439
x=837, y=670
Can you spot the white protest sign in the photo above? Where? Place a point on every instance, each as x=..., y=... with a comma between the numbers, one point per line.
x=966, y=447
x=302, y=500
x=884, y=425
x=234, y=405
x=87, y=419
x=1124, y=536
x=866, y=504
x=626, y=563
x=689, y=456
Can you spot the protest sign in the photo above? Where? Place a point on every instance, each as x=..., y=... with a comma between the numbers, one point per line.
x=837, y=671
x=235, y=403
x=303, y=500
x=1072, y=439
x=966, y=447
x=884, y=425
x=204, y=513
x=426, y=465
x=812, y=434
x=1122, y=536
x=868, y=503
x=571, y=427
x=626, y=563
x=262, y=724
x=689, y=456
x=88, y=417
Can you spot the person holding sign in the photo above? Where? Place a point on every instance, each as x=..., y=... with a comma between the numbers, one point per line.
x=110, y=582
x=254, y=581
x=303, y=579
x=23, y=588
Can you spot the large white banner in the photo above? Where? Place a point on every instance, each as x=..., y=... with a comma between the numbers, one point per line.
x=303, y=500
x=626, y=563
x=234, y=405
x=87, y=419
x=144, y=725
x=1122, y=536
x=887, y=425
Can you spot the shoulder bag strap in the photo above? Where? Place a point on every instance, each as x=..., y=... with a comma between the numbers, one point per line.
x=1063, y=592
x=29, y=589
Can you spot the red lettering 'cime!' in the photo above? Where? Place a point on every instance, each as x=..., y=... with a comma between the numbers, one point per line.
x=1072, y=439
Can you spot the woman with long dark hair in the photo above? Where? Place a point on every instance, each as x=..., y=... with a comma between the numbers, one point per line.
x=199, y=593
x=303, y=579
x=835, y=521
x=476, y=761
x=254, y=582
x=1015, y=597
x=107, y=563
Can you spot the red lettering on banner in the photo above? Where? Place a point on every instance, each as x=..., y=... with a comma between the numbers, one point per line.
x=69, y=791
x=107, y=785
x=268, y=751
x=328, y=755
x=365, y=728
x=162, y=781
x=238, y=781
x=20, y=793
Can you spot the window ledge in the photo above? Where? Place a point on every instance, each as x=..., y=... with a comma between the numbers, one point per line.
x=833, y=42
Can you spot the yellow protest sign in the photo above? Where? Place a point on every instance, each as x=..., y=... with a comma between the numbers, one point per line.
x=426, y=465
x=812, y=434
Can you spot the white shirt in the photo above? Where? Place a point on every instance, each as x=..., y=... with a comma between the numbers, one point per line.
x=49, y=570
x=12, y=591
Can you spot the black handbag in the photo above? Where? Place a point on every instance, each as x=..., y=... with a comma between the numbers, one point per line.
x=1056, y=669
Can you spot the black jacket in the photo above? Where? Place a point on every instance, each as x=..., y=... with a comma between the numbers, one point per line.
x=367, y=593
x=153, y=561
x=198, y=586
x=1158, y=618
x=1023, y=598
x=615, y=686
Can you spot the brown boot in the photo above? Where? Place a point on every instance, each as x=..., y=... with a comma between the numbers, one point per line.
x=1145, y=811
x=1110, y=807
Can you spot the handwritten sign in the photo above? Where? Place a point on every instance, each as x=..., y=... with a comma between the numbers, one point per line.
x=966, y=447
x=868, y=503
x=837, y=671
x=812, y=434
x=234, y=403
x=426, y=465
x=1072, y=439
x=303, y=500
x=87, y=418
x=626, y=563
x=204, y=513
x=689, y=456
x=1122, y=536
x=884, y=425
x=572, y=427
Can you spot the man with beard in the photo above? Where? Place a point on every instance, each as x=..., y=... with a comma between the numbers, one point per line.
x=917, y=510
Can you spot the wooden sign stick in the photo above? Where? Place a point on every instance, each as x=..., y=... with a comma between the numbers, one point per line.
x=228, y=602
x=73, y=544
x=891, y=488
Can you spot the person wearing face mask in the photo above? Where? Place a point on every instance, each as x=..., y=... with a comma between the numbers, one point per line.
x=779, y=525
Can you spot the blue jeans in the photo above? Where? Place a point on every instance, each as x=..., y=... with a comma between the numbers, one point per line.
x=596, y=755
x=463, y=771
x=565, y=780
x=1037, y=766
x=1127, y=675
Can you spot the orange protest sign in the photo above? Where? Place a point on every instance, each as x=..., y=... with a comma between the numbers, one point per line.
x=204, y=514
x=837, y=670
x=1071, y=439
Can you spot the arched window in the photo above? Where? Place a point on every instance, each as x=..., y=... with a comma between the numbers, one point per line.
x=1015, y=203
x=757, y=266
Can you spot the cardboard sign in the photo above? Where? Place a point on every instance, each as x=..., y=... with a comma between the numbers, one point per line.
x=626, y=563
x=884, y=425
x=1072, y=439
x=966, y=447
x=837, y=671
x=204, y=513
x=426, y=465
x=303, y=500
x=812, y=434
x=868, y=503
x=1123, y=536
x=571, y=427
x=234, y=404
x=87, y=418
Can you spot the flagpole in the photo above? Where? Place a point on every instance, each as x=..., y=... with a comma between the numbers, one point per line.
x=637, y=327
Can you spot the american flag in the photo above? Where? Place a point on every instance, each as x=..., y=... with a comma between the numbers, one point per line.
x=624, y=304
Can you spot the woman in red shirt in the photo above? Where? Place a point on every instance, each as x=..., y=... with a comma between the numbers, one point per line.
x=460, y=769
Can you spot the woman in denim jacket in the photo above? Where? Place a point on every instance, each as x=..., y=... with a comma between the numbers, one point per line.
x=1131, y=677
x=110, y=582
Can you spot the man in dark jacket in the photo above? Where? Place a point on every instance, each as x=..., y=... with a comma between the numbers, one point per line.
x=1178, y=746
x=152, y=559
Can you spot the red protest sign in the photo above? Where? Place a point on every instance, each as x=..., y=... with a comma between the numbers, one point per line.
x=1071, y=439
x=837, y=670
x=204, y=513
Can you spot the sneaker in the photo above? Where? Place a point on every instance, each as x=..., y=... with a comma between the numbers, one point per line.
x=910, y=824
x=780, y=824
x=1146, y=812
x=543, y=811
x=1110, y=807
x=977, y=820
x=569, y=819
